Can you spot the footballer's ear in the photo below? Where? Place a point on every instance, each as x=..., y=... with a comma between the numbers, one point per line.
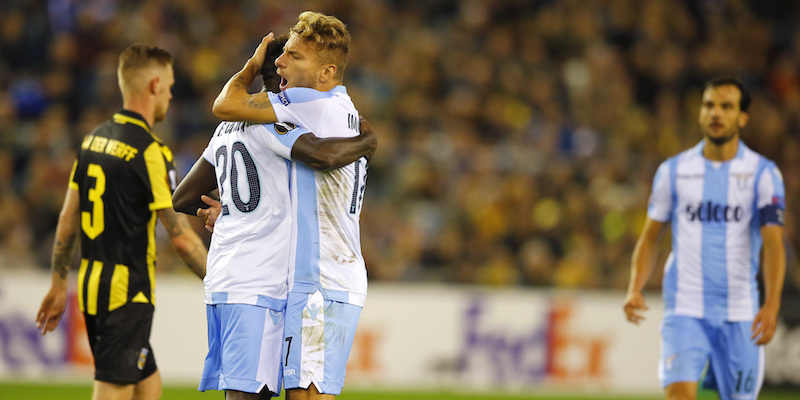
x=743, y=118
x=152, y=85
x=327, y=73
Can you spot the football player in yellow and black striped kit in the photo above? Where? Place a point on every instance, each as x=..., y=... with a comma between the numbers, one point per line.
x=120, y=183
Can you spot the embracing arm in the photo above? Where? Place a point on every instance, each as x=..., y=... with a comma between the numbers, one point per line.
x=185, y=241
x=642, y=264
x=200, y=180
x=774, y=265
x=234, y=103
x=330, y=153
x=55, y=301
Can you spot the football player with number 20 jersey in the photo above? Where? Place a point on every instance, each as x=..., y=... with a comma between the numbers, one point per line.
x=327, y=278
x=249, y=258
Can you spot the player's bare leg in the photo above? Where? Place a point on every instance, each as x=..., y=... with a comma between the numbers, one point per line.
x=148, y=388
x=237, y=395
x=307, y=394
x=682, y=391
x=111, y=391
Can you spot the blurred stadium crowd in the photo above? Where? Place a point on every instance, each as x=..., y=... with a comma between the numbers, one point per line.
x=517, y=138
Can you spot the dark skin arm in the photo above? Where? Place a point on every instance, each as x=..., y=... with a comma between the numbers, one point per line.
x=317, y=153
x=200, y=180
x=330, y=153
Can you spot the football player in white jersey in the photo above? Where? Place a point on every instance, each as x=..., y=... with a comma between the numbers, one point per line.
x=246, y=283
x=327, y=277
x=723, y=203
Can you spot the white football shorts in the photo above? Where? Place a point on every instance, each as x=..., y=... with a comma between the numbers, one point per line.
x=244, y=348
x=317, y=341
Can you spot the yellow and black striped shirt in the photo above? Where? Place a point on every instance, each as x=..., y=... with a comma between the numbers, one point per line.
x=124, y=174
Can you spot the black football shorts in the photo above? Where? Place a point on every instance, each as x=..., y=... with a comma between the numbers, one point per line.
x=120, y=342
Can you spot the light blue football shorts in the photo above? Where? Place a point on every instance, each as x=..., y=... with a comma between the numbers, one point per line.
x=317, y=341
x=735, y=363
x=244, y=348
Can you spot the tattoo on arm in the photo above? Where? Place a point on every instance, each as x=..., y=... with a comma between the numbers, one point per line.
x=192, y=250
x=197, y=254
x=174, y=225
x=62, y=252
x=240, y=83
x=259, y=102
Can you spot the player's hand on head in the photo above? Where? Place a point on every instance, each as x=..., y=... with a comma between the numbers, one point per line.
x=764, y=325
x=211, y=213
x=261, y=51
x=633, y=306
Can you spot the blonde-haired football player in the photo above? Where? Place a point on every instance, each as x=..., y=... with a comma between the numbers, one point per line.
x=327, y=276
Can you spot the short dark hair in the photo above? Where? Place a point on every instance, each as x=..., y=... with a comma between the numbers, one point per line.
x=271, y=79
x=744, y=102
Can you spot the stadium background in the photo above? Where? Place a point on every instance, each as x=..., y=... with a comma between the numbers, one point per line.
x=517, y=138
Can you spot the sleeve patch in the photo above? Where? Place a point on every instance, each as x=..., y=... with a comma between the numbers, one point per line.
x=772, y=214
x=283, y=98
x=284, y=127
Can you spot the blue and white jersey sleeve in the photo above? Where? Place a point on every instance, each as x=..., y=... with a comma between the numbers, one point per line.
x=279, y=137
x=660, y=206
x=302, y=106
x=327, y=114
x=771, y=196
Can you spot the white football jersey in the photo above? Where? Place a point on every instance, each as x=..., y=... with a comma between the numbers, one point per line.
x=716, y=211
x=326, y=205
x=249, y=254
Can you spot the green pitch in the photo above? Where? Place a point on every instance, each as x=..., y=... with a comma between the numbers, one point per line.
x=32, y=391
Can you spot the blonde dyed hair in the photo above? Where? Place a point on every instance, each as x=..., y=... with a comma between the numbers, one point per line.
x=137, y=59
x=328, y=34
